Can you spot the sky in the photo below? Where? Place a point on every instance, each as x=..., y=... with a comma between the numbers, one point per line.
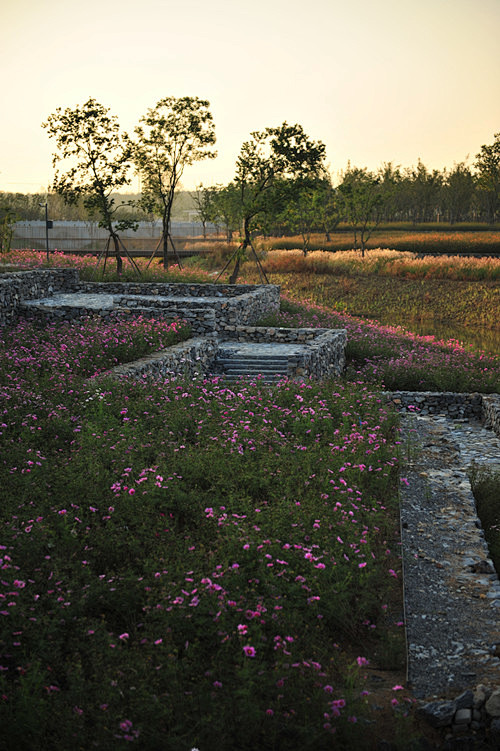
x=375, y=80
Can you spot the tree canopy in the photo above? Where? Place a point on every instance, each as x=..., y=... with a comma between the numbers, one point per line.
x=98, y=162
x=266, y=162
x=173, y=135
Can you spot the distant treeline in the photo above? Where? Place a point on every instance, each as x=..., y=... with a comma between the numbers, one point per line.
x=460, y=198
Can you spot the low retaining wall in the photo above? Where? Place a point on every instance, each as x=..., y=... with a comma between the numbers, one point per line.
x=29, y=285
x=491, y=412
x=201, y=320
x=233, y=303
x=190, y=358
x=323, y=355
x=483, y=407
x=168, y=289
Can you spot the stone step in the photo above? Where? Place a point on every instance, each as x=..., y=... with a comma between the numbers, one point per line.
x=266, y=377
x=268, y=367
x=241, y=364
x=243, y=358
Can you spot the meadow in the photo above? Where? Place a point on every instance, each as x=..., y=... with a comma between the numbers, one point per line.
x=432, y=238
x=197, y=564
x=185, y=563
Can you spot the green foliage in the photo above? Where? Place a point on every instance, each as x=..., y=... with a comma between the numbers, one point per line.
x=362, y=202
x=486, y=488
x=170, y=530
x=488, y=165
x=8, y=218
x=174, y=134
x=89, y=138
x=265, y=166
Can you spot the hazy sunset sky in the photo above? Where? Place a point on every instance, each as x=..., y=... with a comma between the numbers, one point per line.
x=375, y=80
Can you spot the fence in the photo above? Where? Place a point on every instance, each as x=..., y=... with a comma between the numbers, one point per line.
x=88, y=237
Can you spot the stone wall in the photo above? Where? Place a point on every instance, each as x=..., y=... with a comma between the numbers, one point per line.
x=167, y=289
x=233, y=303
x=201, y=320
x=190, y=358
x=484, y=407
x=323, y=355
x=29, y=285
x=491, y=412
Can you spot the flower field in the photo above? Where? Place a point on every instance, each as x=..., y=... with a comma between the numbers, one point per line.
x=192, y=564
x=186, y=564
x=444, y=241
x=393, y=358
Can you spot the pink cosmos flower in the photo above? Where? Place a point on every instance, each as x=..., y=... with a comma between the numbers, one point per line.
x=249, y=651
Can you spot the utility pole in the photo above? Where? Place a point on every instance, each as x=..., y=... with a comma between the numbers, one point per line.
x=48, y=225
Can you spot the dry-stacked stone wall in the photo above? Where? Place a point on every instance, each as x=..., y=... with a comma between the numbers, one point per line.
x=201, y=320
x=190, y=358
x=233, y=304
x=491, y=412
x=450, y=403
x=17, y=286
x=483, y=407
x=323, y=356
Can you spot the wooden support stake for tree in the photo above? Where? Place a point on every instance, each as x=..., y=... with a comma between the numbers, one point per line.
x=153, y=254
x=127, y=254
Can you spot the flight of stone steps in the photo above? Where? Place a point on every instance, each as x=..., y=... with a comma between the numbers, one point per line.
x=238, y=365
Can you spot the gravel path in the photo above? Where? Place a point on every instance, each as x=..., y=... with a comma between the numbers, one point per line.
x=452, y=592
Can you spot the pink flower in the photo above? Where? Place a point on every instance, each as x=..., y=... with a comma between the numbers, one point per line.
x=123, y=636
x=249, y=651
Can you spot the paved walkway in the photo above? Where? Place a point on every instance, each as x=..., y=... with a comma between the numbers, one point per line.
x=101, y=301
x=452, y=592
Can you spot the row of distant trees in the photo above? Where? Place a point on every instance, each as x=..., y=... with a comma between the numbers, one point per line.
x=281, y=183
x=363, y=199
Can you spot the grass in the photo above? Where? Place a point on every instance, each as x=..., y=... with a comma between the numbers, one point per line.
x=392, y=358
x=434, y=240
x=383, y=263
x=186, y=564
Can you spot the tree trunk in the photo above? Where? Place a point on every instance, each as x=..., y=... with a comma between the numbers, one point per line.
x=119, y=262
x=165, y=250
x=241, y=252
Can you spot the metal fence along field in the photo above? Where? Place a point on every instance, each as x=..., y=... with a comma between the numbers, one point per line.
x=87, y=236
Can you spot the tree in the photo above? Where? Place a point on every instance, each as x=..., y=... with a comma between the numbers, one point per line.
x=174, y=134
x=426, y=193
x=8, y=218
x=300, y=213
x=90, y=138
x=327, y=205
x=204, y=201
x=458, y=192
x=362, y=201
x=269, y=158
x=488, y=166
x=227, y=208
x=392, y=191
